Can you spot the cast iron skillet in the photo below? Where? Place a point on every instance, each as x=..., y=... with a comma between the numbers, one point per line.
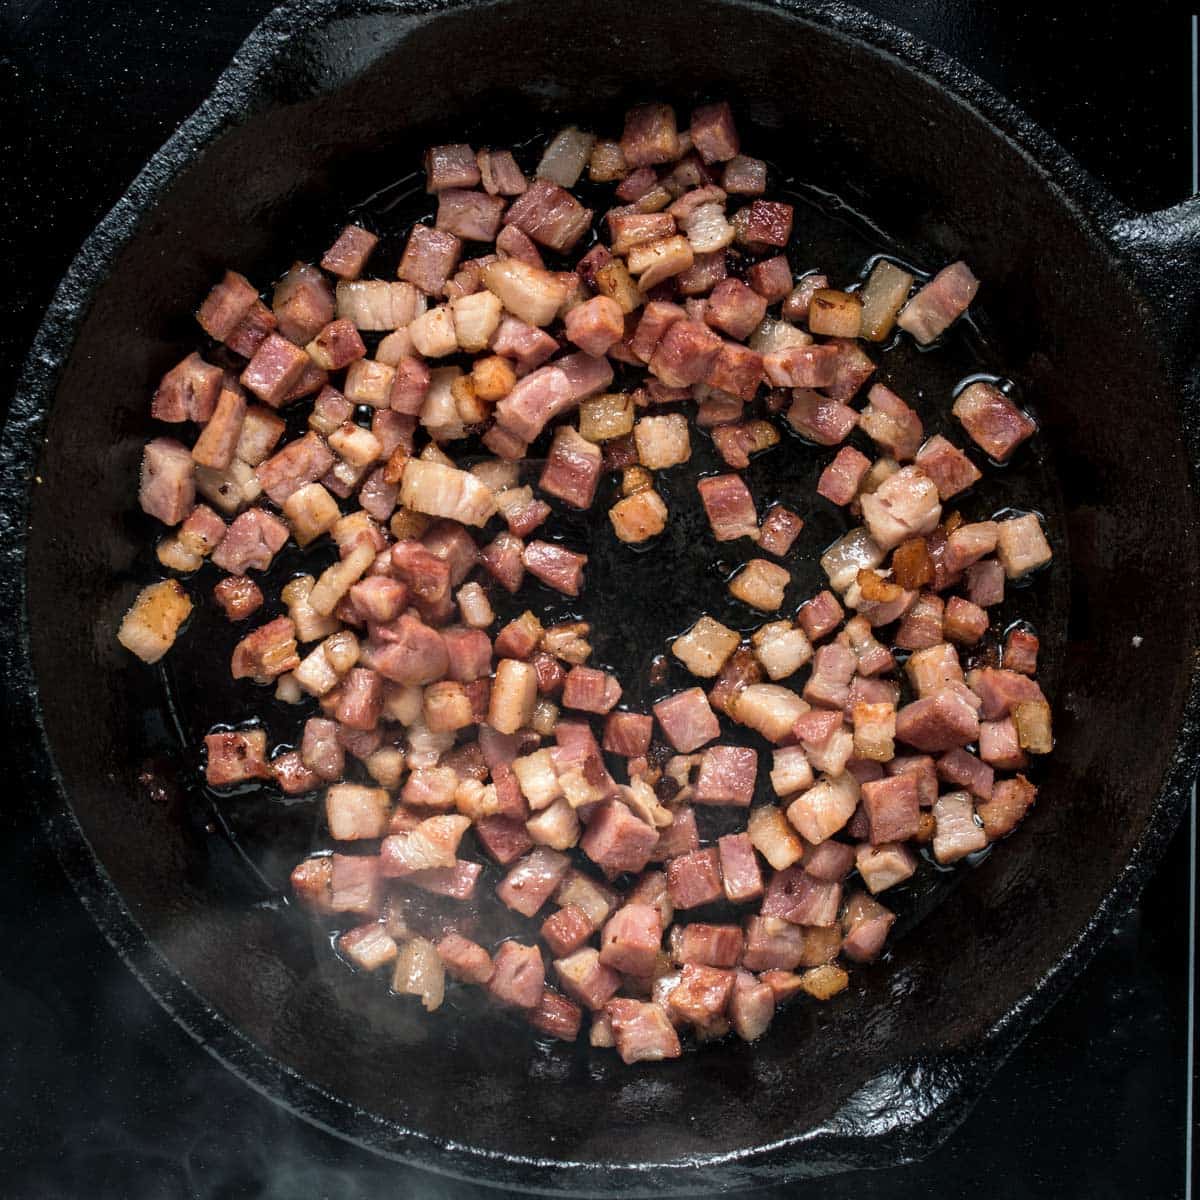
x=1091, y=308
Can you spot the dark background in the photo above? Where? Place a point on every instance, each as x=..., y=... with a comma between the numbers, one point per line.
x=102, y=1095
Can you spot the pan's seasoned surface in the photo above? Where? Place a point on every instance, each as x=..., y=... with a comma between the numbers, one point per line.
x=1084, y=338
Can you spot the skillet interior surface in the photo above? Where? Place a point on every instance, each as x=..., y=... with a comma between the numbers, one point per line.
x=1056, y=316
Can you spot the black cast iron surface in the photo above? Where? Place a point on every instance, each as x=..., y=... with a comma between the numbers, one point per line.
x=1165, y=1193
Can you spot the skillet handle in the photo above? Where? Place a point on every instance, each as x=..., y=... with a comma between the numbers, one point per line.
x=1163, y=249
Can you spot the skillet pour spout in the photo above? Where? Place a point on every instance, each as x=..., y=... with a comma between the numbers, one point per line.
x=1091, y=309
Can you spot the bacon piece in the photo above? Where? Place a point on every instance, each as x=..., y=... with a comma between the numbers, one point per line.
x=470, y=215
x=433, y=843
x=985, y=583
x=572, y=468
x=866, y=924
x=1021, y=651
x=556, y=1016
x=949, y=468
x=854, y=368
x=701, y=997
x=740, y=874
x=464, y=960
x=694, y=879
x=187, y=392
x=586, y=978
x=226, y=306
x=735, y=309
x=532, y=880
x=536, y=400
x=167, y=486
x=727, y=776
x=618, y=841
x=632, y=939
x=650, y=137
x=687, y=720
x=414, y=654
x=501, y=558
x=891, y=424
x=825, y=808
x=685, y=353
x=595, y=324
x=252, y=331
x=429, y=258
x=820, y=616
x=992, y=420
x=840, y=480
x=238, y=596
x=657, y=317
x=1001, y=691
x=744, y=176
x=958, y=833
x=566, y=930
x=964, y=622
x=641, y=1031
x=218, y=440
x=729, y=507
x=349, y=253
x=555, y=566
x=590, y=690
x=302, y=303
x=714, y=134
x=821, y=419
x=802, y=366
x=441, y=491
x=252, y=540
x=518, y=976
x=772, y=279
x=922, y=626
x=1011, y=799
x=892, y=809
x=451, y=166
x=939, y=303
x=939, y=722
x=1022, y=546
x=303, y=461
x=235, y=756
x=275, y=370
x=763, y=223
x=904, y=505
x=354, y=883
x=550, y=215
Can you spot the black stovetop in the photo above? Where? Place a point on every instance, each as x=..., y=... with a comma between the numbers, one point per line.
x=104, y=1096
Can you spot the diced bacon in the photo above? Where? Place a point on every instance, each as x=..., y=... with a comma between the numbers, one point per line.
x=706, y=945
x=586, y=978
x=650, y=137
x=218, y=440
x=767, y=708
x=821, y=419
x=882, y=867
x=252, y=331
x=188, y=391
x=985, y=583
x=470, y=215
x=504, y=839
x=727, y=776
x=629, y=228
x=824, y=808
x=167, y=487
x=632, y=939
x=687, y=720
x=964, y=622
x=433, y=843
x=839, y=481
x=714, y=135
x=275, y=370
x=320, y=751
x=499, y=173
x=866, y=924
x=939, y=722
x=555, y=566
x=802, y=366
x=820, y=616
x=349, y=253
x=772, y=279
x=532, y=880
x=354, y=812
x=685, y=353
x=440, y=491
x=501, y=558
x=695, y=879
x=360, y=699
x=680, y=837
x=891, y=424
x=960, y=767
x=958, y=833
x=763, y=223
x=536, y=399
x=729, y=507
x=252, y=540
x=949, y=468
x=892, y=808
x=1011, y=799
x=451, y=166
x=780, y=528
x=700, y=998
x=518, y=976
x=744, y=176
x=642, y=1031
x=302, y=303
x=801, y=899
x=706, y=647
x=429, y=259
x=740, y=874
x=795, y=307
x=572, y=468
x=735, y=309
x=556, y=1016
x=464, y=960
x=590, y=690
x=905, y=505
x=1021, y=651
x=368, y=947
x=931, y=669
x=772, y=944
x=657, y=317
x=354, y=883
x=829, y=685
x=413, y=654
x=566, y=930
x=969, y=543
x=238, y=597
x=939, y=303
x=760, y=584
x=226, y=306
x=550, y=215
x=618, y=841
x=992, y=420
x=1022, y=546
x=303, y=461
x=1001, y=691
x=595, y=325
x=235, y=756
x=520, y=637
x=469, y=652
x=922, y=626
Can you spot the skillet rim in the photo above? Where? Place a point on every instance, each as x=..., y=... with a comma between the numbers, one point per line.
x=926, y=1099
